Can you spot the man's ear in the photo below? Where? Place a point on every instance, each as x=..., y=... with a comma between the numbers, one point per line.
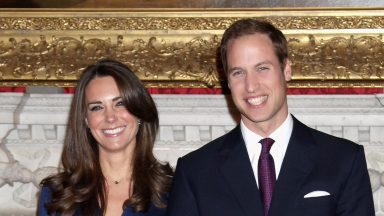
x=287, y=70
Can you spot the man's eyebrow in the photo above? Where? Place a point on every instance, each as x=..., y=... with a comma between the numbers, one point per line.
x=116, y=98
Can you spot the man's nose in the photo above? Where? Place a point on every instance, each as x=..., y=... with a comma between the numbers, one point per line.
x=251, y=82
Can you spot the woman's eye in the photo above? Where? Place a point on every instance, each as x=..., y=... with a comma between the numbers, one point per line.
x=95, y=108
x=120, y=103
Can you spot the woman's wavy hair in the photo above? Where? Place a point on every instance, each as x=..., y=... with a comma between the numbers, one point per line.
x=249, y=26
x=80, y=185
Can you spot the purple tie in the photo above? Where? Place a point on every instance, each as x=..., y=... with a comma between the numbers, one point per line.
x=266, y=171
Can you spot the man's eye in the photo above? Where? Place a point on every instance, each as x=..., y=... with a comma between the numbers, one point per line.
x=236, y=73
x=262, y=68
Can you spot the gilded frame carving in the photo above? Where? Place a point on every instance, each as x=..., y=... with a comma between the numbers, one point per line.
x=171, y=48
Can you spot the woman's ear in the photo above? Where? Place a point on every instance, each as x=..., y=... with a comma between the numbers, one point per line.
x=86, y=122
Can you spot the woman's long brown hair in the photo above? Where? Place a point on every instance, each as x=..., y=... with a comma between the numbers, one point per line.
x=80, y=184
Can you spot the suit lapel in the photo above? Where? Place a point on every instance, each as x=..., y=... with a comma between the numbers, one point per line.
x=297, y=164
x=237, y=171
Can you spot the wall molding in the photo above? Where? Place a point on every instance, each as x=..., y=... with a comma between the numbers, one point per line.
x=169, y=48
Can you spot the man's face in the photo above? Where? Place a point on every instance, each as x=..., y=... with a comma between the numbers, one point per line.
x=257, y=82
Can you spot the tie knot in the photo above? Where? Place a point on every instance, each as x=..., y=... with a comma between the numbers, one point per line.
x=266, y=144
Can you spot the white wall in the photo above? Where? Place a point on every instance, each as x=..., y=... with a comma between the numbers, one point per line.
x=32, y=128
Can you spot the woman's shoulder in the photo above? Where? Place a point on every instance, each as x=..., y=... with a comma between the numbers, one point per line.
x=45, y=197
x=45, y=191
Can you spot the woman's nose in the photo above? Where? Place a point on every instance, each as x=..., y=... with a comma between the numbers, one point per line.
x=110, y=115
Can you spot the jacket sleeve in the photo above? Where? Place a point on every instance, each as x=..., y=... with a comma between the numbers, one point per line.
x=182, y=200
x=356, y=198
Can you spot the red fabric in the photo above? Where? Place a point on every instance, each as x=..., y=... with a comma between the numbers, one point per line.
x=69, y=90
x=185, y=90
x=12, y=89
x=172, y=90
x=291, y=91
x=303, y=91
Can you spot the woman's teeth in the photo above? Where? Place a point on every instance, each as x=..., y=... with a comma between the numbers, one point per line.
x=113, y=131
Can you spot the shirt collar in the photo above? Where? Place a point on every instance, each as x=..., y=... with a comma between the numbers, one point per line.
x=281, y=137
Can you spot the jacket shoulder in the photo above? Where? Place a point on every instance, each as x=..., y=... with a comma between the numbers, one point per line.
x=324, y=139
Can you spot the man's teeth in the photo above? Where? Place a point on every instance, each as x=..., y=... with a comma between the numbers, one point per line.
x=257, y=100
x=113, y=131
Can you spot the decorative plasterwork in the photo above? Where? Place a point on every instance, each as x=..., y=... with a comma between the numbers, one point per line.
x=178, y=48
x=32, y=130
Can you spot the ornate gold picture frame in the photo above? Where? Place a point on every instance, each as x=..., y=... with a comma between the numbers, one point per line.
x=171, y=48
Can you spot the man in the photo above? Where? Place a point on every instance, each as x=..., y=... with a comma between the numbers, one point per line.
x=299, y=171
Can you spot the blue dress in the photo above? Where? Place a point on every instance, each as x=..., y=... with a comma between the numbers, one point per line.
x=45, y=197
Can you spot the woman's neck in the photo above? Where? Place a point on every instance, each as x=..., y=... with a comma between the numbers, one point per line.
x=116, y=169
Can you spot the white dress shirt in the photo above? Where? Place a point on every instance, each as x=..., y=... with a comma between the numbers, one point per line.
x=281, y=137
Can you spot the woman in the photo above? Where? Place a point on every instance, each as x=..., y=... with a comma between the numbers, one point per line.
x=108, y=167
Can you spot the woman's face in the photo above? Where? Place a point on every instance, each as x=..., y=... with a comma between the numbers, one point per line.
x=110, y=123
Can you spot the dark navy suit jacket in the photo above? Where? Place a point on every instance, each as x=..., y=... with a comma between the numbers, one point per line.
x=217, y=179
x=45, y=197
